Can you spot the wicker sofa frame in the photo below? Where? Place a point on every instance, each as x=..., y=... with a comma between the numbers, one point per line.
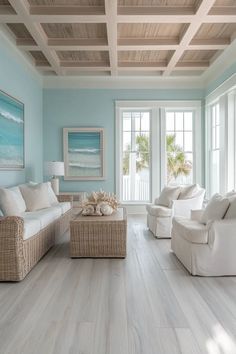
x=19, y=256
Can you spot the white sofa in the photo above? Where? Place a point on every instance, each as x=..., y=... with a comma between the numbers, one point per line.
x=205, y=249
x=26, y=237
x=159, y=217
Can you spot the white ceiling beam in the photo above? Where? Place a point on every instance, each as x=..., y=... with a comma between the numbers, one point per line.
x=5, y=18
x=223, y=10
x=111, y=12
x=81, y=64
x=77, y=41
x=22, y=9
x=190, y=32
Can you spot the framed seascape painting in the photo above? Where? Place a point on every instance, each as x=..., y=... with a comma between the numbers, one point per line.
x=11, y=133
x=84, y=153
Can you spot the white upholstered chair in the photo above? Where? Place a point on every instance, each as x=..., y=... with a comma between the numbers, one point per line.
x=206, y=249
x=159, y=217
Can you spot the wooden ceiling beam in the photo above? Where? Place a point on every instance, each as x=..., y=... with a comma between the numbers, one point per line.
x=66, y=10
x=77, y=41
x=22, y=9
x=156, y=10
x=142, y=64
x=81, y=64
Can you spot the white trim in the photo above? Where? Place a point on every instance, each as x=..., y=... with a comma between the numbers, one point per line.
x=158, y=104
x=222, y=89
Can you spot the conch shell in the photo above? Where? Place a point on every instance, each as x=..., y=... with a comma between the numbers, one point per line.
x=106, y=209
x=88, y=210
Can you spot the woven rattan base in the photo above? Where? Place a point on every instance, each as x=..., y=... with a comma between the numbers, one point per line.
x=99, y=236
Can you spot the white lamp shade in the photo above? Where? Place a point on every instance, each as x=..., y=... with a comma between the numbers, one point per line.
x=55, y=168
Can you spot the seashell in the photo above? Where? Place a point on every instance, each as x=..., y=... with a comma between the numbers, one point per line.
x=106, y=209
x=88, y=210
x=98, y=210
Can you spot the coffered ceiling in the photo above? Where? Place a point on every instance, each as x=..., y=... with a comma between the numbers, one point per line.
x=120, y=37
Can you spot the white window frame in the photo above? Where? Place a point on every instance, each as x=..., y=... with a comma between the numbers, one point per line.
x=225, y=95
x=158, y=141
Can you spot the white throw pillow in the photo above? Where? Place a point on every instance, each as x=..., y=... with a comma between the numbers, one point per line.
x=168, y=194
x=19, y=199
x=215, y=209
x=35, y=196
x=231, y=212
x=51, y=195
x=9, y=204
x=188, y=192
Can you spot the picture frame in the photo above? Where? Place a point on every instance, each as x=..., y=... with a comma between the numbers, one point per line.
x=84, y=153
x=12, y=129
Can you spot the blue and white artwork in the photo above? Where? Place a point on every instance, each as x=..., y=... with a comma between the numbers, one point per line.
x=11, y=133
x=84, y=153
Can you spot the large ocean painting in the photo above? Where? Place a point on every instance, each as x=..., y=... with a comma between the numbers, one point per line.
x=83, y=153
x=11, y=133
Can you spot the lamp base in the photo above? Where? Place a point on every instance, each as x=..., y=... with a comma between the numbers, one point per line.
x=55, y=185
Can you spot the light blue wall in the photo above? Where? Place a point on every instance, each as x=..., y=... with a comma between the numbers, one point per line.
x=19, y=81
x=220, y=79
x=95, y=108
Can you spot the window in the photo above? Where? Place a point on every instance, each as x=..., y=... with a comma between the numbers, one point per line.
x=215, y=149
x=142, y=153
x=136, y=156
x=179, y=146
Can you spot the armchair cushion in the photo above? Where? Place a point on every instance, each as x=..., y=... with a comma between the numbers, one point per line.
x=191, y=230
x=187, y=192
x=215, y=209
x=231, y=212
x=168, y=194
x=159, y=211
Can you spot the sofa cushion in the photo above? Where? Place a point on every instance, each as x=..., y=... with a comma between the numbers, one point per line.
x=159, y=210
x=35, y=196
x=168, y=194
x=45, y=216
x=31, y=227
x=215, y=209
x=20, y=200
x=190, y=230
x=188, y=192
x=63, y=207
x=9, y=202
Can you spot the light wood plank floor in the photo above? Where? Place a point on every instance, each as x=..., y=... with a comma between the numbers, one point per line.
x=146, y=304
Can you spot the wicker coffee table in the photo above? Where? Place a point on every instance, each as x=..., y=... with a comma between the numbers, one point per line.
x=99, y=236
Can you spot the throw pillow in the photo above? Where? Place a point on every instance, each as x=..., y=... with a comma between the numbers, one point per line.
x=188, y=192
x=9, y=203
x=231, y=212
x=168, y=194
x=51, y=195
x=215, y=209
x=19, y=199
x=35, y=196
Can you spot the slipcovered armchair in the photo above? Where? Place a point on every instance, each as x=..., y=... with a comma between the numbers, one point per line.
x=206, y=245
x=173, y=201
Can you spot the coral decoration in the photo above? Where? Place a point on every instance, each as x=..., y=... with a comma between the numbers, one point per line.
x=100, y=203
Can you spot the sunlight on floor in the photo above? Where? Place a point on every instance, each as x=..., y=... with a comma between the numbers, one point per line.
x=221, y=342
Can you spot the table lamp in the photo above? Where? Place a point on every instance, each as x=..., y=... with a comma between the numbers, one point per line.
x=55, y=169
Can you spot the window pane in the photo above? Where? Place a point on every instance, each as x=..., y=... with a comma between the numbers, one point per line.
x=188, y=121
x=142, y=141
x=170, y=122
x=179, y=139
x=145, y=121
x=188, y=141
x=126, y=141
x=126, y=159
x=217, y=143
x=127, y=124
x=179, y=121
x=137, y=123
x=217, y=114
